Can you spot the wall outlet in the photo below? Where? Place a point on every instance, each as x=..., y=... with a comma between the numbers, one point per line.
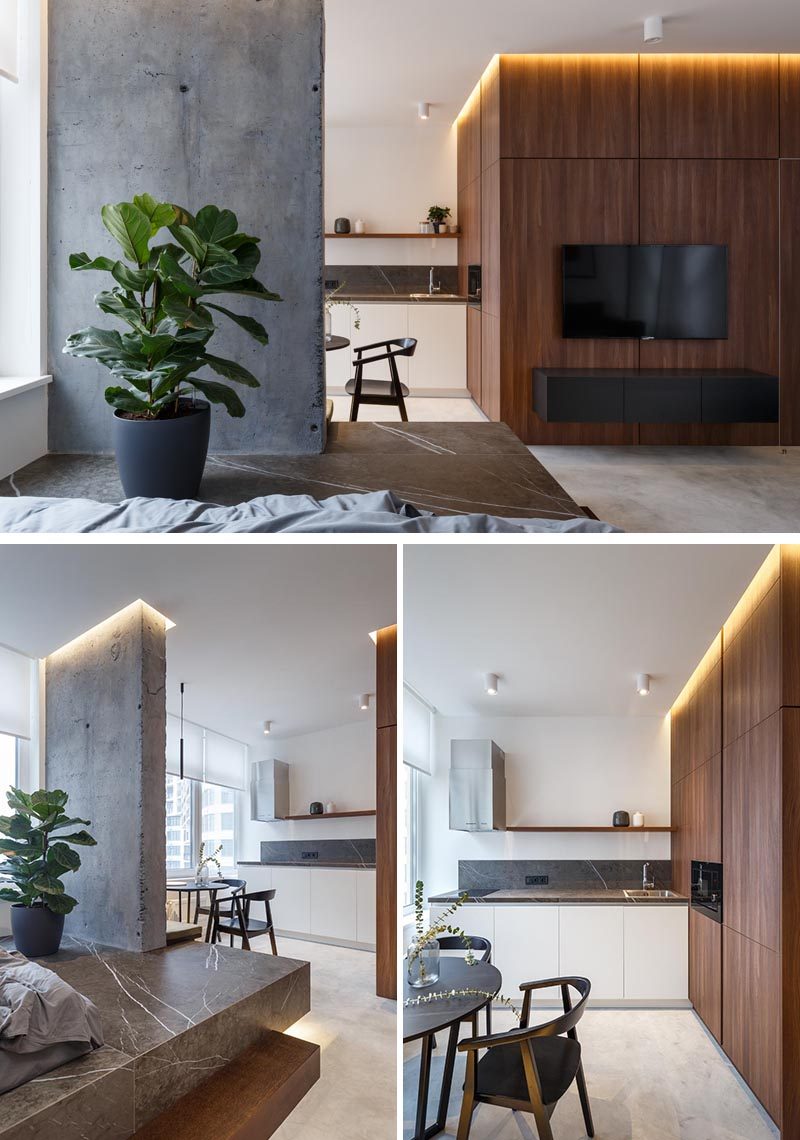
x=309, y=854
x=537, y=880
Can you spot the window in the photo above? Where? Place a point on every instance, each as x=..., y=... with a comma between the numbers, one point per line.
x=9, y=775
x=410, y=833
x=179, y=824
x=199, y=813
x=418, y=725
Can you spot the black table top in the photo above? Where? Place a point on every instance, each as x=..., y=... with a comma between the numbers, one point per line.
x=455, y=974
x=334, y=342
x=208, y=885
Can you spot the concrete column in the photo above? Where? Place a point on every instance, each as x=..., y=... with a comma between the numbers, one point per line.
x=195, y=102
x=105, y=745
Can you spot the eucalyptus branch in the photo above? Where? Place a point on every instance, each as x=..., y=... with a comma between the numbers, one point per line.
x=446, y=995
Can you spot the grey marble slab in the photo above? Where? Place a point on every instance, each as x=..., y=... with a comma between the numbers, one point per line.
x=170, y=1017
x=384, y=281
x=585, y=896
x=313, y=852
x=609, y=874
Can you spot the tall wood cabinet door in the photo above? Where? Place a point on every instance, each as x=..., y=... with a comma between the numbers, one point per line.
x=386, y=674
x=705, y=971
x=752, y=668
x=591, y=946
x=526, y=946
x=751, y=1024
x=790, y=292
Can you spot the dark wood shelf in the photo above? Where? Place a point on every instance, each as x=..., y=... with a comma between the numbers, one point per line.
x=646, y=828
x=332, y=815
x=371, y=235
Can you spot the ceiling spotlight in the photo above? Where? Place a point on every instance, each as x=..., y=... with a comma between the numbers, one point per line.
x=267, y=727
x=653, y=30
x=491, y=682
x=363, y=701
x=643, y=684
x=424, y=110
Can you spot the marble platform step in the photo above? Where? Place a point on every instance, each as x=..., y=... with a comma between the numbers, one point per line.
x=182, y=932
x=249, y=1098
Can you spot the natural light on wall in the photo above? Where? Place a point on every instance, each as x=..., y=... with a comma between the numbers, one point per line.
x=9, y=39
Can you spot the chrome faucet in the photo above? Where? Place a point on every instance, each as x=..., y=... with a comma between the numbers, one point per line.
x=648, y=879
x=431, y=287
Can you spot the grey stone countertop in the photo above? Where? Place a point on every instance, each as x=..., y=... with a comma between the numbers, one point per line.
x=592, y=896
x=304, y=863
x=401, y=299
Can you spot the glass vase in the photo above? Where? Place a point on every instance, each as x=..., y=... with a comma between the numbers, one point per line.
x=328, y=324
x=423, y=964
x=203, y=874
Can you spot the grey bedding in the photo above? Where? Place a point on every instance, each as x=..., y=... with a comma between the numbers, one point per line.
x=43, y=1021
x=377, y=512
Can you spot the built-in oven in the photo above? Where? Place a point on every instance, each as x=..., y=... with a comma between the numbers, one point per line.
x=474, y=284
x=707, y=889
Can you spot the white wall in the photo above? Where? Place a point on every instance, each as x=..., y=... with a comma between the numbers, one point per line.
x=389, y=177
x=337, y=764
x=559, y=770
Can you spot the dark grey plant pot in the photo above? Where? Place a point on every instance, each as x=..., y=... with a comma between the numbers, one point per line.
x=163, y=459
x=37, y=931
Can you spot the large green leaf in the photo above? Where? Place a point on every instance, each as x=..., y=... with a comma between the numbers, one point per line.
x=80, y=839
x=134, y=280
x=70, y=821
x=83, y=261
x=51, y=797
x=214, y=225
x=220, y=394
x=131, y=228
x=232, y=371
x=193, y=245
x=251, y=288
x=141, y=379
x=241, y=268
x=124, y=400
x=160, y=213
x=171, y=380
x=238, y=239
x=19, y=800
x=177, y=276
x=12, y=846
x=61, y=904
x=17, y=827
x=255, y=328
x=118, y=304
x=8, y=894
x=62, y=858
x=197, y=318
x=48, y=884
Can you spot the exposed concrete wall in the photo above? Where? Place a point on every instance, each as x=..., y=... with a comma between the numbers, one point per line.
x=195, y=102
x=106, y=740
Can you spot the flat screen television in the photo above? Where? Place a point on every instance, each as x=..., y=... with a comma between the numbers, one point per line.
x=649, y=292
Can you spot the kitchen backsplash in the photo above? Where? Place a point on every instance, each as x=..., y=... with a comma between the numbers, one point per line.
x=388, y=280
x=516, y=874
x=357, y=852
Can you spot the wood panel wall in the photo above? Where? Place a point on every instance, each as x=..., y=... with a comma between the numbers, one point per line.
x=745, y=806
x=705, y=137
x=386, y=821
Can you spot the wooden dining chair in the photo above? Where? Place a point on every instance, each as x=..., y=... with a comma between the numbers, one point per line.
x=530, y=1068
x=234, y=886
x=240, y=924
x=482, y=949
x=389, y=391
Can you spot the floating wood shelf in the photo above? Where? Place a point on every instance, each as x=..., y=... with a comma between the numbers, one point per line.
x=448, y=235
x=624, y=829
x=332, y=815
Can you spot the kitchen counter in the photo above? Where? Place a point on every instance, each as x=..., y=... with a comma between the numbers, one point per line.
x=588, y=896
x=400, y=299
x=305, y=863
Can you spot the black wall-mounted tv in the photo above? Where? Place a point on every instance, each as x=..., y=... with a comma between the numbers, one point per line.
x=649, y=292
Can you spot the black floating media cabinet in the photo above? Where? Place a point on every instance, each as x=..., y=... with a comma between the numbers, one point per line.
x=655, y=395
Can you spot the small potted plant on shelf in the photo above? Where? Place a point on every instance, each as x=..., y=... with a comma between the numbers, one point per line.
x=37, y=858
x=162, y=292
x=437, y=216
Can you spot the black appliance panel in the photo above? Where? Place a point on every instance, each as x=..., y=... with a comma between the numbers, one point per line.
x=474, y=283
x=707, y=889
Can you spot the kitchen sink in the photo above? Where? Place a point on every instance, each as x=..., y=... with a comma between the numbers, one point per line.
x=436, y=297
x=652, y=895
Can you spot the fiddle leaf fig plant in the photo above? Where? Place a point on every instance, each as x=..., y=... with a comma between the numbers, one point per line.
x=37, y=854
x=161, y=291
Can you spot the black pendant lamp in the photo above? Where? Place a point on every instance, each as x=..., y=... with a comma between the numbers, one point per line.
x=181, y=744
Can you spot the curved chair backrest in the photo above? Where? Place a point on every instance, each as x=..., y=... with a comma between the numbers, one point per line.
x=480, y=946
x=407, y=346
x=565, y=1022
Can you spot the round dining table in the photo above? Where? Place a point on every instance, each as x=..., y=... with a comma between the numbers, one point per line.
x=422, y=1022
x=334, y=342
x=211, y=887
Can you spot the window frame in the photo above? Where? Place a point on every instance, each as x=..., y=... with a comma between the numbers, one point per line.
x=196, y=804
x=411, y=791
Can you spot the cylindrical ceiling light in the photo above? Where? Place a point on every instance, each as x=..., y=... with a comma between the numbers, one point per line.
x=643, y=684
x=267, y=727
x=653, y=30
x=363, y=701
x=424, y=110
x=180, y=758
x=491, y=681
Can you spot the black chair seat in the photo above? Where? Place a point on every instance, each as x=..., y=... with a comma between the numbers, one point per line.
x=374, y=388
x=233, y=926
x=500, y=1071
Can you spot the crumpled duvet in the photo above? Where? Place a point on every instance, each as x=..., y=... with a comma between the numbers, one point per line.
x=377, y=512
x=44, y=1022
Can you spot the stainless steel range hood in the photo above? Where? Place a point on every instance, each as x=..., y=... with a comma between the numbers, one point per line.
x=269, y=790
x=477, y=786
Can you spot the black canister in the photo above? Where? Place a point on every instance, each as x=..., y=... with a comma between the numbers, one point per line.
x=622, y=819
x=316, y=808
x=341, y=226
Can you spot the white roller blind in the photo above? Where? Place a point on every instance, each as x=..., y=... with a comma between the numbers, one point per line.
x=15, y=693
x=226, y=760
x=192, y=748
x=9, y=39
x=417, y=730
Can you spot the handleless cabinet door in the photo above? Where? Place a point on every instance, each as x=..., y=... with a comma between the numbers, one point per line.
x=440, y=360
x=382, y=322
x=591, y=946
x=257, y=878
x=333, y=903
x=291, y=907
x=656, y=952
x=473, y=918
x=365, y=906
x=525, y=947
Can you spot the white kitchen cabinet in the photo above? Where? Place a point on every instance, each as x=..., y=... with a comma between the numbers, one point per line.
x=333, y=903
x=257, y=877
x=473, y=918
x=440, y=360
x=291, y=907
x=591, y=946
x=338, y=362
x=656, y=952
x=380, y=322
x=365, y=905
x=525, y=947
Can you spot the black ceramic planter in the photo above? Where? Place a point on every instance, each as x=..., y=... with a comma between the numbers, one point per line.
x=37, y=931
x=163, y=459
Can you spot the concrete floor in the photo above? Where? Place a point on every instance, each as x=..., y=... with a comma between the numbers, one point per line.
x=356, y=1095
x=651, y=1075
x=454, y=409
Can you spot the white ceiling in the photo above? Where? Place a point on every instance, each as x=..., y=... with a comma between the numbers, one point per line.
x=262, y=632
x=567, y=627
x=384, y=57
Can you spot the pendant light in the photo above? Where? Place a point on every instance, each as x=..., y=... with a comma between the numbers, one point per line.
x=181, y=744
